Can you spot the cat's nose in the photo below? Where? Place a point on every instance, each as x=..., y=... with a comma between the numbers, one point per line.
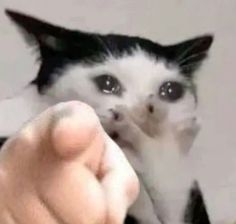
x=150, y=108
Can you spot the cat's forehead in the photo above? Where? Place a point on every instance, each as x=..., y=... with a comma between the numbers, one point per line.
x=135, y=65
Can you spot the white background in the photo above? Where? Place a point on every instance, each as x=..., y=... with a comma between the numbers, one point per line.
x=166, y=21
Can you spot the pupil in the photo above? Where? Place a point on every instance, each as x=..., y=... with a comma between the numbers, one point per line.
x=108, y=84
x=171, y=91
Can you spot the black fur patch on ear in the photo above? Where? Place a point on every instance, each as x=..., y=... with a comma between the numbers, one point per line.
x=54, y=40
x=41, y=33
x=196, y=212
x=37, y=31
x=189, y=55
x=58, y=47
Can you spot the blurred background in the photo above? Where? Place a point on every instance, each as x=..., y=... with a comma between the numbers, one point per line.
x=165, y=21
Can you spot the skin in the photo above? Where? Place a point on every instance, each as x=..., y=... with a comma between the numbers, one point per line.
x=62, y=168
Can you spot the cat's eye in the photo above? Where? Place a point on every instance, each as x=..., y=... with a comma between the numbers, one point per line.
x=108, y=84
x=171, y=91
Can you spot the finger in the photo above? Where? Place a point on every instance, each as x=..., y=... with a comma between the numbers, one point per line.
x=69, y=163
x=59, y=133
x=52, y=158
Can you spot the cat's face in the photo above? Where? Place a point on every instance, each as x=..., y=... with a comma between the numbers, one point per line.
x=148, y=88
x=152, y=81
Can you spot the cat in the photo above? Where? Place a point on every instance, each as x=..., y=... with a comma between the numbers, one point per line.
x=145, y=96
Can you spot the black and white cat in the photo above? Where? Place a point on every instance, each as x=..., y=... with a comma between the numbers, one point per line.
x=145, y=96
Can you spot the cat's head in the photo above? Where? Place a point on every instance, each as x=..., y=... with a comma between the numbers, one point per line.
x=110, y=70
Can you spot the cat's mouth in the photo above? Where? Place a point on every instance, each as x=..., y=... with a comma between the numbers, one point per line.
x=145, y=118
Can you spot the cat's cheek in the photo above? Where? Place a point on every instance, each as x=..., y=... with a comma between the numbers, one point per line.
x=186, y=133
x=182, y=109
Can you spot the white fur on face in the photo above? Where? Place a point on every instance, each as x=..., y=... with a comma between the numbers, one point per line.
x=141, y=76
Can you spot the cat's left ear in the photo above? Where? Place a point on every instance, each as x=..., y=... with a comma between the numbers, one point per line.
x=47, y=37
x=189, y=55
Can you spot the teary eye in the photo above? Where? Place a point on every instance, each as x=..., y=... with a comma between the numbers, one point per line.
x=108, y=84
x=171, y=91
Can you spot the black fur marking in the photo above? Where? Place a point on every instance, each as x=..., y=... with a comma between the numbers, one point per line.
x=130, y=220
x=60, y=47
x=2, y=141
x=196, y=210
x=190, y=54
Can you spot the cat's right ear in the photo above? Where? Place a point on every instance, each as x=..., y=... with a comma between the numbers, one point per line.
x=47, y=37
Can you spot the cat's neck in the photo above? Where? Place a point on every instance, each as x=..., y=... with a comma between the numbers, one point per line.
x=17, y=110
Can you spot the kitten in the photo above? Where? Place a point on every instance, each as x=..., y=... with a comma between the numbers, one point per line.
x=145, y=96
